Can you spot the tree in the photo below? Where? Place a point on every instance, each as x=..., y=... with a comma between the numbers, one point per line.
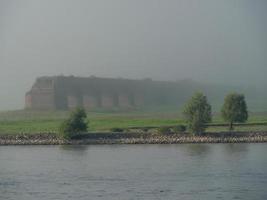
x=234, y=109
x=74, y=125
x=197, y=113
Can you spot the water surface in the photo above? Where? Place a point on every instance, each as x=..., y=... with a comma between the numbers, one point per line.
x=112, y=172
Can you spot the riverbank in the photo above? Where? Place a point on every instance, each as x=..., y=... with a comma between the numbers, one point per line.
x=32, y=122
x=133, y=138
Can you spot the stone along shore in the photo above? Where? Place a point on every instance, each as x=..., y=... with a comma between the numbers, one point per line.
x=133, y=138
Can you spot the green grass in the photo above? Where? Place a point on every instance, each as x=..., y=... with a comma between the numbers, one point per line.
x=31, y=122
x=238, y=128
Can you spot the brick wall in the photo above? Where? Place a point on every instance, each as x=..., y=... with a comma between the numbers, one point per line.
x=89, y=102
x=107, y=101
x=72, y=102
x=41, y=100
x=69, y=92
x=123, y=101
x=28, y=101
x=139, y=100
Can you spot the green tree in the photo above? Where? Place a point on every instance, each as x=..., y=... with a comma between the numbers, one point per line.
x=197, y=113
x=74, y=125
x=234, y=109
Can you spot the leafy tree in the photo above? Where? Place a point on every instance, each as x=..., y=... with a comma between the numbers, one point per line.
x=197, y=113
x=74, y=125
x=234, y=109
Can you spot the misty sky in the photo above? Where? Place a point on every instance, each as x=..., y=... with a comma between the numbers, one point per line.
x=206, y=40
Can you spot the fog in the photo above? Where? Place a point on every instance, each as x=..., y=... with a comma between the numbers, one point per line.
x=211, y=41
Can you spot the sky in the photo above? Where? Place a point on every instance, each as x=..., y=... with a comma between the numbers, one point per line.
x=211, y=41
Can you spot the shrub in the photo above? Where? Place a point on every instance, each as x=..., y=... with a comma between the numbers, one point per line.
x=164, y=130
x=118, y=130
x=179, y=129
x=145, y=129
x=74, y=125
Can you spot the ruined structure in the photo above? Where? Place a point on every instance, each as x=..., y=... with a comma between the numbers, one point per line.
x=63, y=93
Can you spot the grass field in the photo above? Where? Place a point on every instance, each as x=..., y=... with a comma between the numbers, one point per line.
x=31, y=122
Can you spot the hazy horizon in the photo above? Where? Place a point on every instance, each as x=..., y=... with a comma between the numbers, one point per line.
x=210, y=41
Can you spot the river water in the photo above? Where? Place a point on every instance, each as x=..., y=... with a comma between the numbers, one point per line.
x=182, y=171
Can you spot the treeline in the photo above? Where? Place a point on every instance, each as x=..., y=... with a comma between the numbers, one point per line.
x=198, y=111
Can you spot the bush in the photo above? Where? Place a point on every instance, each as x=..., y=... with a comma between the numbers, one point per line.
x=118, y=130
x=164, y=130
x=74, y=125
x=144, y=129
x=179, y=129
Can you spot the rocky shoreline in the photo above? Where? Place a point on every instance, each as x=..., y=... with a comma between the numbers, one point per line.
x=133, y=138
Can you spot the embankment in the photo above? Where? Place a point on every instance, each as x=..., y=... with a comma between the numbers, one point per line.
x=133, y=138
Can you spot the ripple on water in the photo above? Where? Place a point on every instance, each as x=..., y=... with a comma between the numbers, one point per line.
x=134, y=172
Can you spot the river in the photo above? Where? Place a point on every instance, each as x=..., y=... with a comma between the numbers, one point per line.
x=113, y=172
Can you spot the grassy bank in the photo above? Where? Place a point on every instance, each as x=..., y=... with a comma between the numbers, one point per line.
x=30, y=122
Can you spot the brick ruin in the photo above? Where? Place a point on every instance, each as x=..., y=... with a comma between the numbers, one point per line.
x=68, y=92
